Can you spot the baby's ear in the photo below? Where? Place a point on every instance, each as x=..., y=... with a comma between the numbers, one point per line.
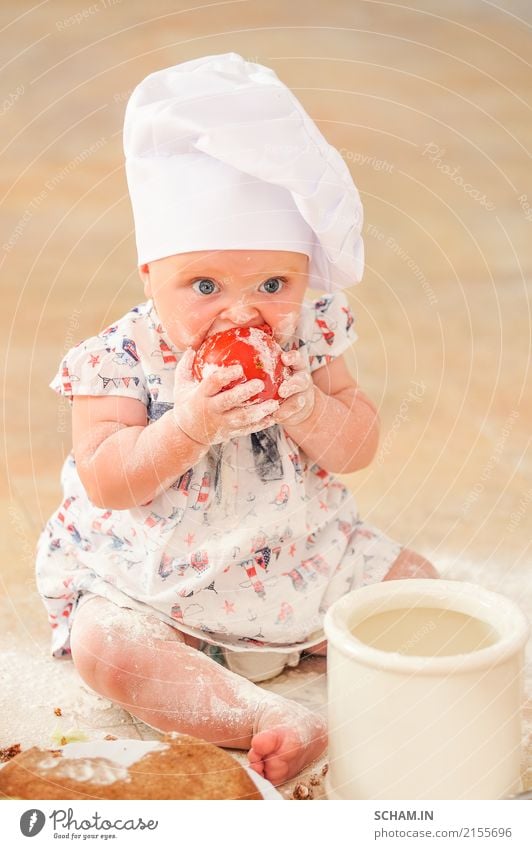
x=144, y=273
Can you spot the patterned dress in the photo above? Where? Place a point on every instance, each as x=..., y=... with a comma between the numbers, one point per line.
x=245, y=550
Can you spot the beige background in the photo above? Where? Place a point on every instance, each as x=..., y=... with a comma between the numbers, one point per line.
x=429, y=104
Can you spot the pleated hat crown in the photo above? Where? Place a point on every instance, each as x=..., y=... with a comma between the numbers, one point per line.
x=220, y=155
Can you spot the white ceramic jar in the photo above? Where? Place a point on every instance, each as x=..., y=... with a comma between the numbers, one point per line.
x=406, y=726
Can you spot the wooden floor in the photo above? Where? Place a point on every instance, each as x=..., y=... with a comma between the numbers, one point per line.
x=430, y=106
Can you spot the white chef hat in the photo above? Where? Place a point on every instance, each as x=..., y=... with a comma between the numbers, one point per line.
x=220, y=155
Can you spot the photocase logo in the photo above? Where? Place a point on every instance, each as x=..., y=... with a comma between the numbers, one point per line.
x=32, y=822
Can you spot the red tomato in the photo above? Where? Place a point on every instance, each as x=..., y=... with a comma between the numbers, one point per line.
x=254, y=348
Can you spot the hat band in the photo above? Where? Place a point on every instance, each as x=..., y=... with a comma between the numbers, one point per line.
x=196, y=203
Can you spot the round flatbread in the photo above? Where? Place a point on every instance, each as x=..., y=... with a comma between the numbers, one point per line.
x=178, y=767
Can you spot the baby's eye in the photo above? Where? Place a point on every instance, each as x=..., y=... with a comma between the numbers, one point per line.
x=273, y=285
x=204, y=286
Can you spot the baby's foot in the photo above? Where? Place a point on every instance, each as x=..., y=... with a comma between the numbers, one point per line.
x=286, y=738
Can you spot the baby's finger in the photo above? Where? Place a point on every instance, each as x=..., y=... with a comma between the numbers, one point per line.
x=289, y=408
x=251, y=414
x=297, y=360
x=297, y=383
x=269, y=421
x=238, y=395
x=220, y=377
x=183, y=370
x=290, y=358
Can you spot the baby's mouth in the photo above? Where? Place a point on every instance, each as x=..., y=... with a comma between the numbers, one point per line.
x=211, y=332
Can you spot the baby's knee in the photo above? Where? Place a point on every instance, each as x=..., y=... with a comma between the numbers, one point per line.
x=87, y=639
x=110, y=644
x=410, y=564
x=95, y=644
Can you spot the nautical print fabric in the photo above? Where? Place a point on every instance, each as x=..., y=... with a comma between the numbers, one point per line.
x=247, y=549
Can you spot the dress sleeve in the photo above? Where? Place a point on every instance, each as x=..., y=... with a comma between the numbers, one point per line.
x=329, y=329
x=102, y=365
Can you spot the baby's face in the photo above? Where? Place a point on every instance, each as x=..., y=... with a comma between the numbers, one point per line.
x=201, y=293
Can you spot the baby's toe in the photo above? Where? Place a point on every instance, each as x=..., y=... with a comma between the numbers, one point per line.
x=256, y=761
x=264, y=743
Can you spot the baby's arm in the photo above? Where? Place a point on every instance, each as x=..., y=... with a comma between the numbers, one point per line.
x=336, y=425
x=120, y=460
x=123, y=462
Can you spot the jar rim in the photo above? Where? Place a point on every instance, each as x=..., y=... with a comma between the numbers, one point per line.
x=494, y=609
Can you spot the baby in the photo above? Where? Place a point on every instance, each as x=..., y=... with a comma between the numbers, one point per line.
x=194, y=523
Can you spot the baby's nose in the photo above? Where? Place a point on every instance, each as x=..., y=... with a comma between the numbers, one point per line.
x=240, y=314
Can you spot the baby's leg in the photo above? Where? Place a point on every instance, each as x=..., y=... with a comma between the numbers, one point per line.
x=146, y=667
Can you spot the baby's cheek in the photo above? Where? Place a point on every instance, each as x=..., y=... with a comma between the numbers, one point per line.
x=285, y=327
x=187, y=337
x=188, y=340
x=190, y=323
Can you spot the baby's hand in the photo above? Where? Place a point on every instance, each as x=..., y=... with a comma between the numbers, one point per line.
x=298, y=390
x=209, y=414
